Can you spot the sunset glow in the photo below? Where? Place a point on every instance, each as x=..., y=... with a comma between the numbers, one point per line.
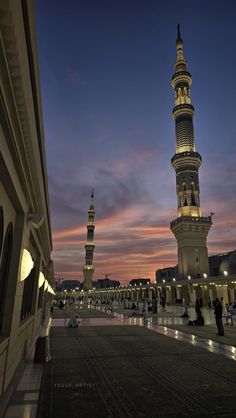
x=107, y=102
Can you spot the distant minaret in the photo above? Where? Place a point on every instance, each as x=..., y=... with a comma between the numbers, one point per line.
x=190, y=228
x=89, y=247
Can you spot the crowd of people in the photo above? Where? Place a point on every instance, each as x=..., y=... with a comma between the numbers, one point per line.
x=221, y=310
x=141, y=308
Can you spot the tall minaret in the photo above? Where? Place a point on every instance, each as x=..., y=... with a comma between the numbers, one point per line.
x=89, y=247
x=190, y=227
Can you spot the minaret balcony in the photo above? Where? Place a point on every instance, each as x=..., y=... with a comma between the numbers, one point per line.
x=191, y=219
x=181, y=76
x=183, y=109
x=88, y=267
x=188, y=158
x=89, y=245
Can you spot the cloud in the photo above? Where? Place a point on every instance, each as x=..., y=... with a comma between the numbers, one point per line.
x=133, y=212
x=125, y=245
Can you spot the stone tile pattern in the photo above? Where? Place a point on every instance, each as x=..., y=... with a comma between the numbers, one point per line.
x=128, y=371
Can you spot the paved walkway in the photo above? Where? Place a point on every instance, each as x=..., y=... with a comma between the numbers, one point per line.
x=113, y=367
x=129, y=371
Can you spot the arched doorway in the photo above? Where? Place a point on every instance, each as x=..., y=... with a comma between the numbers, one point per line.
x=5, y=267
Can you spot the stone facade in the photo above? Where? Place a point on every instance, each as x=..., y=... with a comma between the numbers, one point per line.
x=26, y=269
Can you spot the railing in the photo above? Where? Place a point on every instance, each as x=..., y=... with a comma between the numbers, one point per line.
x=197, y=219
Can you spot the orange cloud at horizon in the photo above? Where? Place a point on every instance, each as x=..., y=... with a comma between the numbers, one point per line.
x=122, y=246
x=129, y=249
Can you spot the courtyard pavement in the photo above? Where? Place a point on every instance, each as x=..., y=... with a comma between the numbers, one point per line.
x=115, y=366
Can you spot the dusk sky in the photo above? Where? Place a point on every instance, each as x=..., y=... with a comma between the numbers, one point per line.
x=106, y=69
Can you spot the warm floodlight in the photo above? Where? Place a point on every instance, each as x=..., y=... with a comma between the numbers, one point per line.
x=41, y=279
x=204, y=275
x=26, y=265
x=50, y=290
x=225, y=273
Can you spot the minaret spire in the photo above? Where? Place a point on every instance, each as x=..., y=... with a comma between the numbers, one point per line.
x=178, y=31
x=89, y=247
x=190, y=228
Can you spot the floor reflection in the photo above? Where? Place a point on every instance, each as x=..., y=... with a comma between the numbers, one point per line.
x=157, y=324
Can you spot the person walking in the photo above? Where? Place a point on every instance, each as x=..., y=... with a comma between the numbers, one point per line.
x=163, y=303
x=154, y=305
x=229, y=314
x=224, y=310
x=218, y=315
x=197, y=306
x=145, y=311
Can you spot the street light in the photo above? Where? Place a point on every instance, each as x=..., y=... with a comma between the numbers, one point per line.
x=225, y=273
x=204, y=275
x=189, y=277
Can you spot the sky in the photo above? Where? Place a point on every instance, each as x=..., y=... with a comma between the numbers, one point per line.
x=105, y=69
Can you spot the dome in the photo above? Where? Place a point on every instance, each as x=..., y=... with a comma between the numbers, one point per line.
x=232, y=263
x=228, y=264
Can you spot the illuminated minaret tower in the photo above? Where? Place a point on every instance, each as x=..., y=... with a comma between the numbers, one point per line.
x=190, y=227
x=89, y=247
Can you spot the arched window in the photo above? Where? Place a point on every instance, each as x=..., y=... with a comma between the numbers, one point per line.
x=26, y=306
x=193, y=201
x=5, y=267
x=1, y=228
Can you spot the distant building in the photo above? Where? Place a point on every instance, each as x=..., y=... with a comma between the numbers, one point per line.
x=167, y=274
x=223, y=264
x=70, y=285
x=219, y=265
x=105, y=283
x=139, y=282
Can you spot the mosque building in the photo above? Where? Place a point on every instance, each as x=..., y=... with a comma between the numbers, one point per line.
x=26, y=268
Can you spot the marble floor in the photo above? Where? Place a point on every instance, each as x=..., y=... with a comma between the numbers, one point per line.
x=24, y=401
